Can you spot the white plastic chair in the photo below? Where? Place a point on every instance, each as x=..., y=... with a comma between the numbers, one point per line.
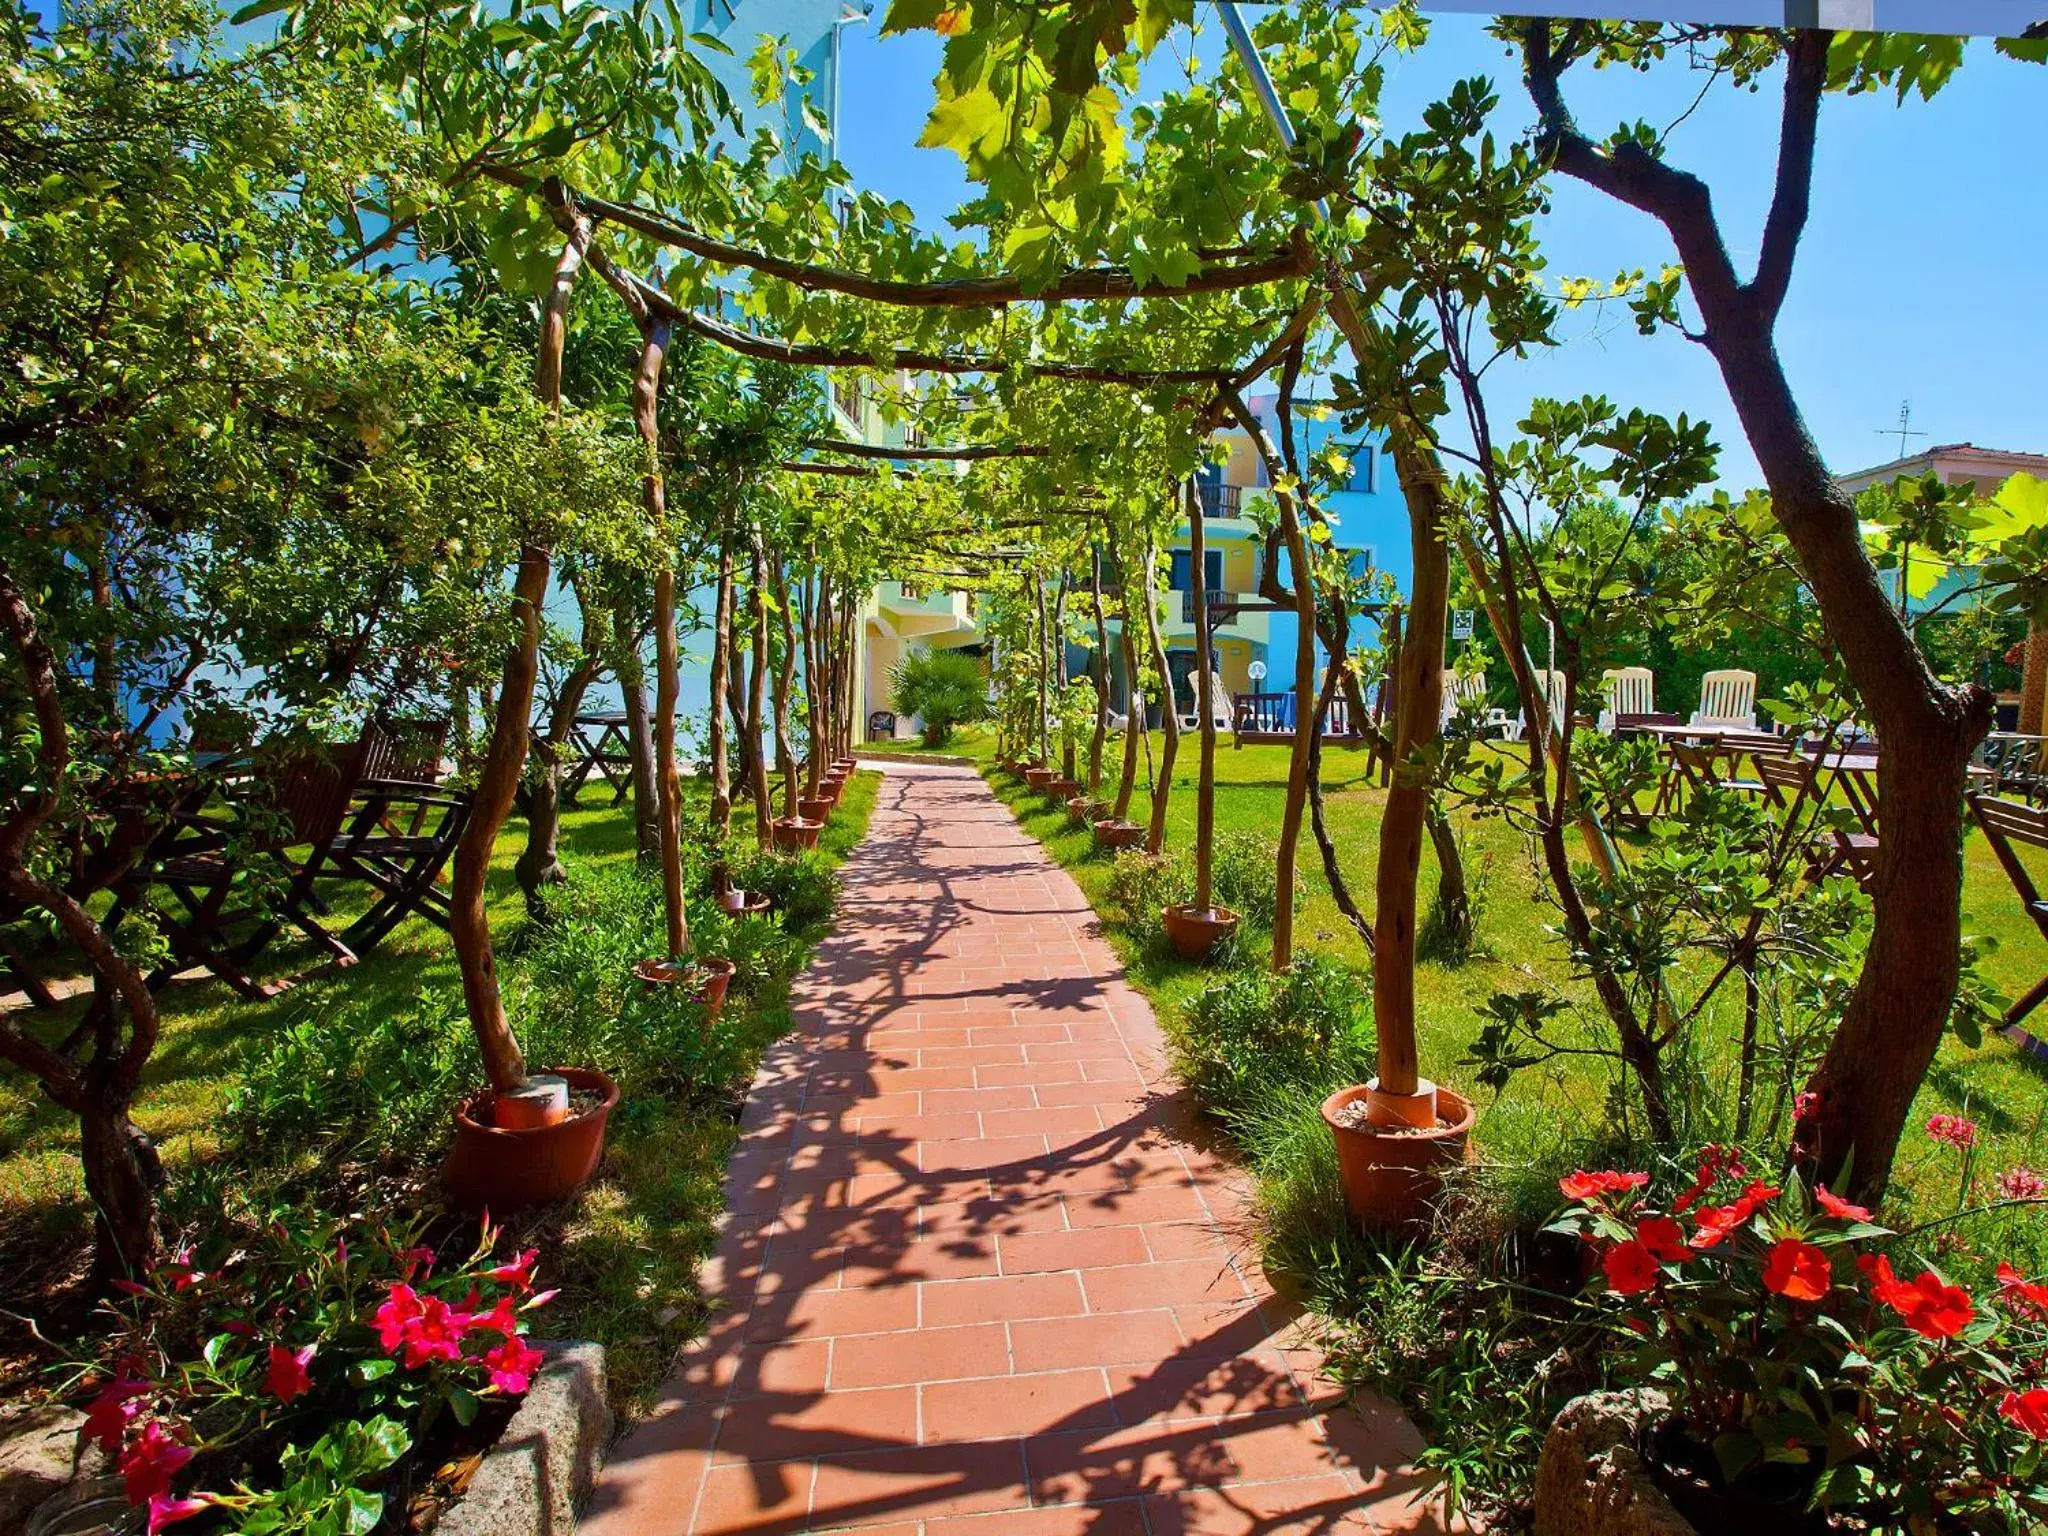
x=1517, y=729
x=1629, y=691
x=1728, y=700
x=1465, y=694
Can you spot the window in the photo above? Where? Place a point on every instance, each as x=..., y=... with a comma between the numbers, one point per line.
x=846, y=395
x=1363, y=469
x=1357, y=562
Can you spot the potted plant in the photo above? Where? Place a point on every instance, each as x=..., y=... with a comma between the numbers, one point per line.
x=793, y=834
x=1803, y=1376
x=1112, y=834
x=1195, y=928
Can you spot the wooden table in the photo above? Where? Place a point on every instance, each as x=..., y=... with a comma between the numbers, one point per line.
x=1721, y=740
x=609, y=753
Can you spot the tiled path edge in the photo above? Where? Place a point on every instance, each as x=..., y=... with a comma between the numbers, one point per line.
x=979, y=1274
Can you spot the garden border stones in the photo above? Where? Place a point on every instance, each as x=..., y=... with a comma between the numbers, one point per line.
x=544, y=1465
x=1590, y=1481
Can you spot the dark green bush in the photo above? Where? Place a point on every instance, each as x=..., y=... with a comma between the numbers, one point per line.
x=804, y=888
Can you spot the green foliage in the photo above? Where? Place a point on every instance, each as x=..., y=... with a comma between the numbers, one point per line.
x=1252, y=1034
x=942, y=688
x=1241, y=878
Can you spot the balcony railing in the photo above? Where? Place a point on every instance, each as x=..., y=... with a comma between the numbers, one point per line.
x=1218, y=601
x=1222, y=500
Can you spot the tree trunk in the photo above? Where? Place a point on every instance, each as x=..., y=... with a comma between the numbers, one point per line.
x=1333, y=873
x=757, y=683
x=640, y=742
x=122, y=1175
x=721, y=661
x=1095, y=741
x=2034, y=681
x=469, y=928
x=667, y=664
x=1205, y=782
x=540, y=862
x=1134, y=700
x=1404, y=821
x=784, y=682
x=1169, y=718
x=1044, y=743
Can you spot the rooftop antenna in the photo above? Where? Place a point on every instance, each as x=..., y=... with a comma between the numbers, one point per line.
x=1904, y=429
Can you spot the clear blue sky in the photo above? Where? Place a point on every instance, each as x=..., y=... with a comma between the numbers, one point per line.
x=1923, y=275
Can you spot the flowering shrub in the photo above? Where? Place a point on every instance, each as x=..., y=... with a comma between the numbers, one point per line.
x=298, y=1370
x=1789, y=1354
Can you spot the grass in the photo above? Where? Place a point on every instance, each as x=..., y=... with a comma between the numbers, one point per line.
x=1544, y=1112
x=624, y=1253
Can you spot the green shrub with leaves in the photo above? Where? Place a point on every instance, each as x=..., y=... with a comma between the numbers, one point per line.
x=1254, y=1033
x=803, y=888
x=944, y=689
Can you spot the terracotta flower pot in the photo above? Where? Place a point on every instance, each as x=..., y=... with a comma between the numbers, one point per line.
x=1118, y=834
x=845, y=766
x=792, y=833
x=490, y=1168
x=1393, y=1179
x=1038, y=778
x=813, y=809
x=1063, y=789
x=1194, y=934
x=1081, y=810
x=709, y=977
x=738, y=903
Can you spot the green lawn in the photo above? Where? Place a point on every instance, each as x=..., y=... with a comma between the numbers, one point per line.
x=2005, y=1091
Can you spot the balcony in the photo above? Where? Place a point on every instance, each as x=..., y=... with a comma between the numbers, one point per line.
x=1222, y=500
x=1225, y=622
x=916, y=612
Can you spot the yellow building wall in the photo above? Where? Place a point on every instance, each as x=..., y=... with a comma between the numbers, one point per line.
x=1237, y=567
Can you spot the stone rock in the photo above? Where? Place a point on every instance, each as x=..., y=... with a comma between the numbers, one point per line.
x=1590, y=1482
x=39, y=1456
x=545, y=1463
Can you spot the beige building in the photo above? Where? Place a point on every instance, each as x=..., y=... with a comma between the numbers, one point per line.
x=1954, y=463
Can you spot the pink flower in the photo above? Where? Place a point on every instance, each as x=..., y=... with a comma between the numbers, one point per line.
x=512, y=1365
x=418, y=1261
x=436, y=1334
x=400, y=1310
x=1837, y=1207
x=519, y=1272
x=165, y=1510
x=2020, y=1183
x=150, y=1462
x=107, y=1416
x=179, y=1271
x=1797, y=1270
x=287, y=1377
x=1804, y=1104
x=1953, y=1130
x=503, y=1318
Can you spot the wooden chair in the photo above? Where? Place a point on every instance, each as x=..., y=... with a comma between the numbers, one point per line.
x=1699, y=767
x=1792, y=783
x=1727, y=699
x=401, y=832
x=292, y=800
x=2005, y=823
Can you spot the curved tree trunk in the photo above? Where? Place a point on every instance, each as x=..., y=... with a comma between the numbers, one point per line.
x=540, y=862
x=1097, y=739
x=667, y=664
x=757, y=682
x=469, y=928
x=784, y=681
x=1134, y=701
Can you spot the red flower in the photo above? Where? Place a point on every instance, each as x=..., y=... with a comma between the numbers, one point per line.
x=1663, y=1237
x=1714, y=1161
x=1930, y=1306
x=400, y=1311
x=418, y=1261
x=1797, y=1270
x=1583, y=1186
x=1954, y=1130
x=1716, y=1222
x=165, y=1510
x=1804, y=1104
x=287, y=1377
x=1837, y=1207
x=512, y=1365
x=150, y=1462
x=2022, y=1294
x=107, y=1416
x=2029, y=1410
x=1630, y=1267
x=519, y=1272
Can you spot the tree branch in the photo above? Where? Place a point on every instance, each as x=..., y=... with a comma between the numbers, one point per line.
x=1806, y=77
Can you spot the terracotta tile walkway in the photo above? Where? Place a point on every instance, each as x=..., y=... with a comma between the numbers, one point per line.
x=980, y=1275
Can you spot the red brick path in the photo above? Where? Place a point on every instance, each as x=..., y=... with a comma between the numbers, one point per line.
x=980, y=1277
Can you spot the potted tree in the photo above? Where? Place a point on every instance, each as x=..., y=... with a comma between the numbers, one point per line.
x=944, y=690
x=1195, y=928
